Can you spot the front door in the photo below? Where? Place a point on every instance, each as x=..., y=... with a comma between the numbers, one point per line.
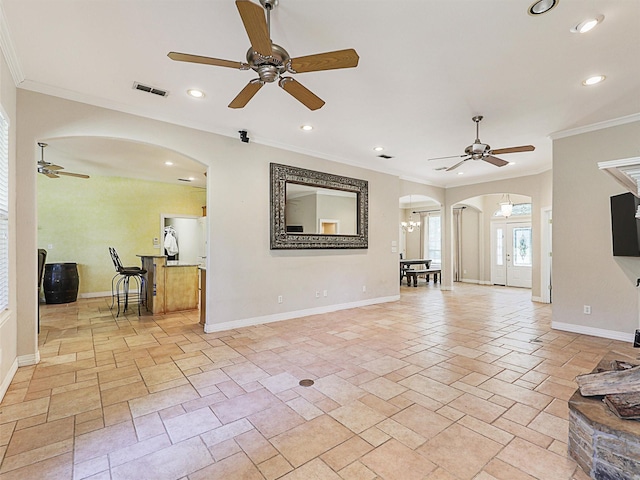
x=511, y=256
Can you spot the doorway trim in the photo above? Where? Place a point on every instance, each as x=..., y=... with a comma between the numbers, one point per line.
x=546, y=228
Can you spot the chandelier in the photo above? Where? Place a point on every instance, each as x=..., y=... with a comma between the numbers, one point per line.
x=411, y=225
x=506, y=206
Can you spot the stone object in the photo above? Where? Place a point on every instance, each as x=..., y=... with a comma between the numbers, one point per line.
x=605, y=446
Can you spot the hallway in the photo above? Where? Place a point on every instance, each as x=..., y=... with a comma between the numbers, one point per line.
x=464, y=384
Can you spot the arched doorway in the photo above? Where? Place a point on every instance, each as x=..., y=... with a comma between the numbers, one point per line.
x=489, y=248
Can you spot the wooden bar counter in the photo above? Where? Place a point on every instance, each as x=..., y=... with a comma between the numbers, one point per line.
x=170, y=286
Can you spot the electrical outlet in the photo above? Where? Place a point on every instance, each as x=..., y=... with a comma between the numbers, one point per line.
x=317, y=294
x=279, y=298
x=325, y=293
x=364, y=288
x=587, y=309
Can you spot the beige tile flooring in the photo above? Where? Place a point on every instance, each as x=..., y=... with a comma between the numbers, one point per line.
x=466, y=384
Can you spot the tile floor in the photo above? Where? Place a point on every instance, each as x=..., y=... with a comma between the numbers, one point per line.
x=468, y=384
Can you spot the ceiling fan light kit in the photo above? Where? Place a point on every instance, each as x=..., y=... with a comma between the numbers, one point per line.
x=271, y=61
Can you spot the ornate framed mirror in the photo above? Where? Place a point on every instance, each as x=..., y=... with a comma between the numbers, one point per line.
x=312, y=209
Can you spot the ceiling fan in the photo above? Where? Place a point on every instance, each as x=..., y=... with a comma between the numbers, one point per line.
x=482, y=151
x=51, y=170
x=271, y=61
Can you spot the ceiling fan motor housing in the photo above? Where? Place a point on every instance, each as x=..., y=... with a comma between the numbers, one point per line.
x=269, y=68
x=269, y=4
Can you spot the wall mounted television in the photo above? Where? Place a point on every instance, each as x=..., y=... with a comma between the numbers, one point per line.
x=625, y=227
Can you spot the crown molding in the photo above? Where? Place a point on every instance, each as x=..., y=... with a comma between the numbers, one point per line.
x=595, y=126
x=6, y=45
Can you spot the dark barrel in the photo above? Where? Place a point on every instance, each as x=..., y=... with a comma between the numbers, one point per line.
x=60, y=282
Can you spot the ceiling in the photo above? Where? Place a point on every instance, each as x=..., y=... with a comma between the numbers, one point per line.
x=426, y=68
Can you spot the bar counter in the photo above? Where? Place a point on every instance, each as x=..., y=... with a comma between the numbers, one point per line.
x=171, y=286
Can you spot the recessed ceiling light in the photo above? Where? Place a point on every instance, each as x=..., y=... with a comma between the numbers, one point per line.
x=460, y=173
x=593, y=80
x=511, y=163
x=191, y=179
x=306, y=128
x=195, y=93
x=378, y=149
x=589, y=24
x=542, y=6
x=168, y=163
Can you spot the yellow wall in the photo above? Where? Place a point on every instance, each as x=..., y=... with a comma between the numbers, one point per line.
x=82, y=218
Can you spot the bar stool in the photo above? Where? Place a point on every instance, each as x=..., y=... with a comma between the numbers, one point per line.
x=122, y=280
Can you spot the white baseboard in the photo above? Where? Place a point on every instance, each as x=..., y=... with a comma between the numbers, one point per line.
x=470, y=280
x=7, y=380
x=277, y=317
x=26, y=360
x=537, y=299
x=594, y=332
x=94, y=294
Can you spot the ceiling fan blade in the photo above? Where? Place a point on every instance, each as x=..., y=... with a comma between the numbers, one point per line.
x=325, y=61
x=456, y=165
x=498, y=162
x=246, y=93
x=186, y=57
x=69, y=174
x=301, y=93
x=51, y=175
x=442, y=158
x=256, y=26
x=522, y=148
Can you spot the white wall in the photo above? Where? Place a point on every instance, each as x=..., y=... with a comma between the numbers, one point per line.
x=9, y=319
x=247, y=277
x=473, y=247
x=412, y=238
x=585, y=272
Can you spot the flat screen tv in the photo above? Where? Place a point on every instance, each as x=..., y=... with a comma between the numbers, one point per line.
x=625, y=227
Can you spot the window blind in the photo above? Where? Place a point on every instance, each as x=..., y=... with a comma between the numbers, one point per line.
x=4, y=212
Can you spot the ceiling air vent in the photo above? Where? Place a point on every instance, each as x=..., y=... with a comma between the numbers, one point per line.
x=386, y=157
x=148, y=89
x=184, y=180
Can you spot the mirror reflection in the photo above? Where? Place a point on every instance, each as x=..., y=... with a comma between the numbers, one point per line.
x=315, y=210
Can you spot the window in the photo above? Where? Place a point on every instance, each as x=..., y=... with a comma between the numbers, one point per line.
x=4, y=212
x=522, y=247
x=499, y=247
x=519, y=210
x=434, y=251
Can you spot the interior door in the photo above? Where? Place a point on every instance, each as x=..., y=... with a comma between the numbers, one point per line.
x=511, y=255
